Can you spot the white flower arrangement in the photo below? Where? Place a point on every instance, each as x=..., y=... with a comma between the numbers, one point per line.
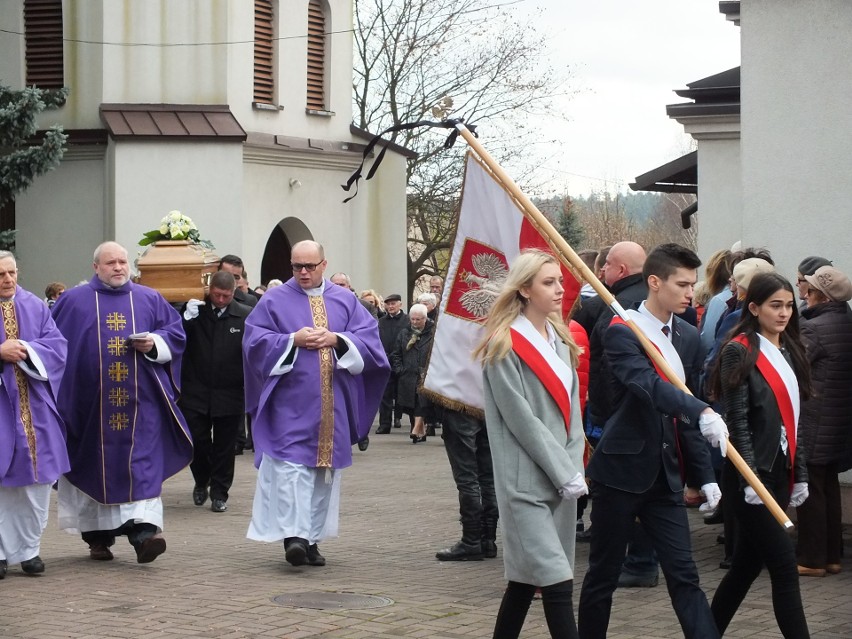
x=175, y=226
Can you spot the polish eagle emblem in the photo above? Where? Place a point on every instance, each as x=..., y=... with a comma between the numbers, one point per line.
x=487, y=279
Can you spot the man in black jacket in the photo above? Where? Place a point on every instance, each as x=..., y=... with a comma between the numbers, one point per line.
x=212, y=387
x=391, y=325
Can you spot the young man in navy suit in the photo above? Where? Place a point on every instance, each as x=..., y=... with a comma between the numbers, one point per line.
x=637, y=468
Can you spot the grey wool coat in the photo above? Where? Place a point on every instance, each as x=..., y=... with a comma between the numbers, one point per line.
x=533, y=457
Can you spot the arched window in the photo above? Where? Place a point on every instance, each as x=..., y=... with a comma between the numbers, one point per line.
x=45, y=58
x=316, y=56
x=264, y=53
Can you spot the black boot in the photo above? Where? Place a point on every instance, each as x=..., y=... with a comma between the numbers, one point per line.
x=489, y=541
x=468, y=549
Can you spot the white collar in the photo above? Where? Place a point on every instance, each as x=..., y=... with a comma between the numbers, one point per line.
x=659, y=325
x=547, y=349
x=314, y=292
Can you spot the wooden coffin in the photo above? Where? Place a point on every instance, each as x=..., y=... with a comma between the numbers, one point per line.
x=178, y=269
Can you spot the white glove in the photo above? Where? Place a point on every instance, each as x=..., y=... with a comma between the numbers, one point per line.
x=574, y=488
x=799, y=494
x=715, y=431
x=191, y=311
x=712, y=493
x=752, y=497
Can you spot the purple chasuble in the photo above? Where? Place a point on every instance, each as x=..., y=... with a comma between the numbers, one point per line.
x=286, y=410
x=32, y=449
x=125, y=433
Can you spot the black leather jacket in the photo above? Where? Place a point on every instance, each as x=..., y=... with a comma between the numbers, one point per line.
x=754, y=420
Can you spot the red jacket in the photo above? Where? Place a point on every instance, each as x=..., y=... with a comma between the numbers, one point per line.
x=582, y=340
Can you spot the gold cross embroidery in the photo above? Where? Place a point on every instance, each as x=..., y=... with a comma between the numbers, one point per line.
x=119, y=421
x=10, y=325
x=325, y=450
x=116, y=347
x=116, y=321
x=118, y=371
x=118, y=397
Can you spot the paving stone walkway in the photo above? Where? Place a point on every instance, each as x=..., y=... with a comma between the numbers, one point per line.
x=399, y=506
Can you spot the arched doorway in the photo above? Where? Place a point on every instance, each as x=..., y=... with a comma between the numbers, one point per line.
x=276, y=255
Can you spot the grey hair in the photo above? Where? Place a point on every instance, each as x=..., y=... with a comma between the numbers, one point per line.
x=8, y=254
x=418, y=308
x=429, y=298
x=96, y=258
x=345, y=277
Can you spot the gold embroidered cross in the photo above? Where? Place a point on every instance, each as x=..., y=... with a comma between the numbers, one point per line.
x=118, y=421
x=118, y=371
x=118, y=397
x=116, y=346
x=115, y=321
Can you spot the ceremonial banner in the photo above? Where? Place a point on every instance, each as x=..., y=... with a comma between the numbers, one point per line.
x=491, y=232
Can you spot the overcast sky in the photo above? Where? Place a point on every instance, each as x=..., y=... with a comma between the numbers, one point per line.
x=625, y=58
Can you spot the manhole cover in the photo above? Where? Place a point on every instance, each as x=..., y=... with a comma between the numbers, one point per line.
x=331, y=600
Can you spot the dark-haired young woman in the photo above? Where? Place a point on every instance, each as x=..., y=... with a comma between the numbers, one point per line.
x=761, y=376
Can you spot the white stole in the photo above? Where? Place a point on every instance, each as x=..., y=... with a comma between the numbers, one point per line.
x=654, y=333
x=563, y=371
x=788, y=376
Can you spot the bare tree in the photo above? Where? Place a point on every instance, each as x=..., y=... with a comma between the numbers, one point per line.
x=412, y=54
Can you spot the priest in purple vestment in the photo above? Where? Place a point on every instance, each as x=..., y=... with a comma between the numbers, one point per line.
x=125, y=433
x=315, y=371
x=32, y=437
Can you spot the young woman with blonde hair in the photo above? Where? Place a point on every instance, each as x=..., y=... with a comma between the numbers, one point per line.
x=532, y=412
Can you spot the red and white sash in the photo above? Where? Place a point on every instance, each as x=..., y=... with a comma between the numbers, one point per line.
x=782, y=381
x=554, y=374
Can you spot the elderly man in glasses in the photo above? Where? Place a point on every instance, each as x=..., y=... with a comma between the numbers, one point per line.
x=315, y=371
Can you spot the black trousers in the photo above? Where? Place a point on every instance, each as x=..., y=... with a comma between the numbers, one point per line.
x=819, y=525
x=469, y=454
x=214, y=440
x=664, y=520
x=389, y=405
x=556, y=601
x=760, y=541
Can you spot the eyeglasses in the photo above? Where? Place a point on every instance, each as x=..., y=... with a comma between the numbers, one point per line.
x=801, y=280
x=297, y=268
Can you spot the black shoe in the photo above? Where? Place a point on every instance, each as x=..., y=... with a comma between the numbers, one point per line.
x=364, y=444
x=725, y=564
x=100, y=552
x=417, y=440
x=460, y=551
x=296, y=551
x=150, y=549
x=430, y=430
x=218, y=505
x=238, y=451
x=397, y=423
x=3, y=567
x=199, y=496
x=33, y=566
x=383, y=430
x=314, y=557
x=489, y=548
x=626, y=580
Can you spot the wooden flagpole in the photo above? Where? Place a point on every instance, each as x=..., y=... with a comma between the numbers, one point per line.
x=567, y=255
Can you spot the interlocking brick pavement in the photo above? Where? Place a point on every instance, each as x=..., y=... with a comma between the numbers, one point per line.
x=399, y=506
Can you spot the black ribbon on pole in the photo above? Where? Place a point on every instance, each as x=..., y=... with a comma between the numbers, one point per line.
x=405, y=126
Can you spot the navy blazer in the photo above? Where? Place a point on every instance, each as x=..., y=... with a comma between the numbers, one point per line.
x=640, y=438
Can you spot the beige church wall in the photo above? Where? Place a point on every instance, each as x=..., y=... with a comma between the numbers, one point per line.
x=796, y=124
x=719, y=195
x=200, y=179
x=352, y=233
x=60, y=221
x=12, y=45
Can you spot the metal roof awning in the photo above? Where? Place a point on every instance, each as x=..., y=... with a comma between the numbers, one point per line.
x=677, y=176
x=196, y=122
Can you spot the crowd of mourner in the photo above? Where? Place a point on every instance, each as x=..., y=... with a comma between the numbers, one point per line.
x=111, y=390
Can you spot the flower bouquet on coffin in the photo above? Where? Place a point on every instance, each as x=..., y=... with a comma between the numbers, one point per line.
x=175, y=226
x=178, y=262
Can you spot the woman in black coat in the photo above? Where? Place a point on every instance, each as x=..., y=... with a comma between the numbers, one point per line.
x=825, y=426
x=408, y=361
x=761, y=378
